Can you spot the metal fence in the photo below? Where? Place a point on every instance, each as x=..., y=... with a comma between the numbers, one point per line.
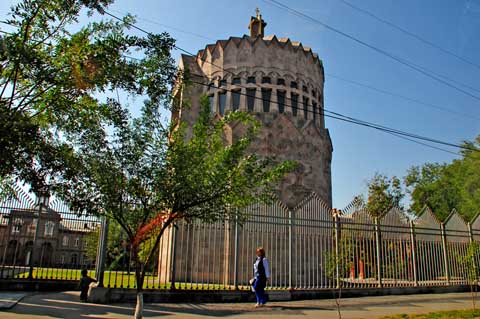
x=309, y=247
x=43, y=240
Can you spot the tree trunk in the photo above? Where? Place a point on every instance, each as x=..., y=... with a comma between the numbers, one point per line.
x=139, y=307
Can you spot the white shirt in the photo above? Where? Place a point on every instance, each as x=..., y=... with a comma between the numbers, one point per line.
x=265, y=265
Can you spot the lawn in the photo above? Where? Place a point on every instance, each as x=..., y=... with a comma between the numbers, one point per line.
x=455, y=314
x=114, y=279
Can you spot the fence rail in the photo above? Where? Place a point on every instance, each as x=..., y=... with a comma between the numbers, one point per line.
x=308, y=248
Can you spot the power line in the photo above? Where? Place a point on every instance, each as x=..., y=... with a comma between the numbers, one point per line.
x=364, y=85
x=169, y=27
x=406, y=98
x=411, y=34
x=335, y=116
x=402, y=61
x=341, y=117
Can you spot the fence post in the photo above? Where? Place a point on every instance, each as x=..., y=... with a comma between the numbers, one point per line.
x=413, y=240
x=445, y=254
x=102, y=251
x=378, y=238
x=337, y=249
x=474, y=257
x=42, y=201
x=235, y=255
x=290, y=249
x=174, y=256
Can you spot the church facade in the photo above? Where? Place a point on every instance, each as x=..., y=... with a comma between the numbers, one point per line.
x=281, y=82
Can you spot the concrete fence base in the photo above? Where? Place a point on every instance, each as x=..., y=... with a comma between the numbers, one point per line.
x=118, y=295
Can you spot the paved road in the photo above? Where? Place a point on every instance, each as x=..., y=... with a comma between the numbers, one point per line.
x=66, y=305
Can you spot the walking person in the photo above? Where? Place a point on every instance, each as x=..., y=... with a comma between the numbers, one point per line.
x=84, y=284
x=261, y=271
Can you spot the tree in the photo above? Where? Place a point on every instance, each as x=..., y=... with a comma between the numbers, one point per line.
x=150, y=175
x=443, y=187
x=383, y=194
x=50, y=78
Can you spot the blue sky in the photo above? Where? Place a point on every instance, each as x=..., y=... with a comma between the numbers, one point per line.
x=358, y=152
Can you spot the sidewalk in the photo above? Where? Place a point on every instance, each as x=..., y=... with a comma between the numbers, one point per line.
x=66, y=305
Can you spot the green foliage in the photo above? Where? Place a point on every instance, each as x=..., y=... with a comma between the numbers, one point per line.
x=443, y=187
x=383, y=194
x=50, y=78
x=149, y=175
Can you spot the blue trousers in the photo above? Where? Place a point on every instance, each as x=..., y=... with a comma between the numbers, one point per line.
x=259, y=286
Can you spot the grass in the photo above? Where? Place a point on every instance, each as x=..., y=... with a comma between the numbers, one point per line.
x=116, y=279
x=454, y=314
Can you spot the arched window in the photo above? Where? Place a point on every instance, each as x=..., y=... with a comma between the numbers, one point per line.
x=266, y=79
x=266, y=96
x=222, y=97
x=293, y=85
x=49, y=227
x=211, y=100
x=251, y=99
x=280, y=81
x=17, y=225
x=281, y=101
x=65, y=240
x=236, y=99
x=236, y=81
x=251, y=79
x=305, y=107
x=294, y=100
x=74, y=259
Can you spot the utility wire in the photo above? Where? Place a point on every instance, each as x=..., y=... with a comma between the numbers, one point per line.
x=406, y=98
x=411, y=34
x=364, y=85
x=336, y=115
x=341, y=117
x=169, y=27
x=402, y=61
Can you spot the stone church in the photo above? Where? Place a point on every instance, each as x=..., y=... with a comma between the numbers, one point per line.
x=281, y=82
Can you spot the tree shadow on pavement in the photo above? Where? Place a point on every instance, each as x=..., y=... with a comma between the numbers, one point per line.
x=67, y=305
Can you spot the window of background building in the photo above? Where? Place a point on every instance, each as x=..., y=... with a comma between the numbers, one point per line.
x=280, y=81
x=222, y=98
x=236, y=81
x=65, y=241
x=281, y=101
x=74, y=259
x=314, y=93
x=212, y=106
x=17, y=226
x=236, y=99
x=251, y=79
x=223, y=83
x=293, y=85
x=305, y=89
x=77, y=242
x=305, y=107
x=314, y=107
x=267, y=80
x=294, y=100
x=266, y=96
x=62, y=259
x=49, y=227
x=251, y=99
